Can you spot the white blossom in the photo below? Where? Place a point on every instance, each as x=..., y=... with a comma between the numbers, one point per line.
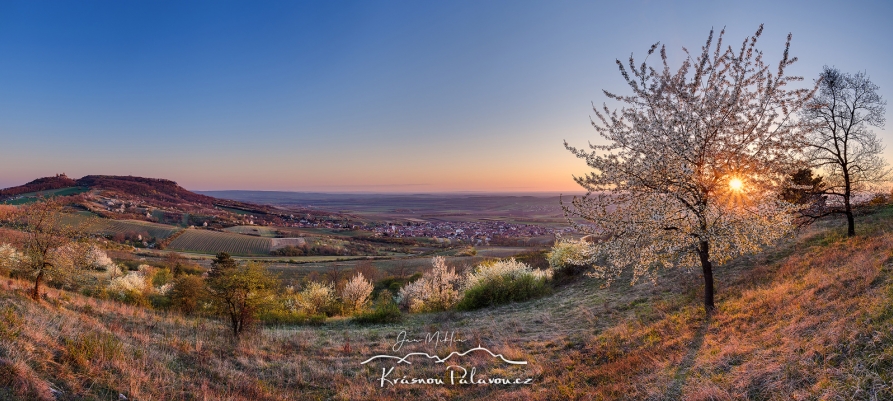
x=316, y=297
x=504, y=269
x=437, y=289
x=659, y=191
x=356, y=292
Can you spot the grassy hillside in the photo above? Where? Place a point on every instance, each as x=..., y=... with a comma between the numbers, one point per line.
x=811, y=319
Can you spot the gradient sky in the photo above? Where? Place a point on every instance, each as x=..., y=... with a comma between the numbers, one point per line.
x=416, y=96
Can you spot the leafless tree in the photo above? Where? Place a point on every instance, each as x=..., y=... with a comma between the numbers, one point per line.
x=52, y=249
x=841, y=144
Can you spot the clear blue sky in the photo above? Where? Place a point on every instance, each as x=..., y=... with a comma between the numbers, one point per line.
x=415, y=96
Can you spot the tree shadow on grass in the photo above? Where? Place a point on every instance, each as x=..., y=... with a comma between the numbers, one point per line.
x=675, y=391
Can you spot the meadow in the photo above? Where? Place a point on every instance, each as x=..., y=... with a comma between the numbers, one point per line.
x=809, y=319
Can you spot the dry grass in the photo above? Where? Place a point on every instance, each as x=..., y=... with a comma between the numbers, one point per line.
x=812, y=319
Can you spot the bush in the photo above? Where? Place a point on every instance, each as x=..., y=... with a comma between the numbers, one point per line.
x=385, y=310
x=162, y=277
x=316, y=298
x=502, y=282
x=355, y=294
x=131, y=288
x=186, y=293
x=437, y=290
x=97, y=259
x=9, y=258
x=394, y=284
x=289, y=250
x=569, y=258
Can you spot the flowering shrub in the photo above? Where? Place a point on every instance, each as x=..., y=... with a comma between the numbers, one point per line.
x=9, y=257
x=316, y=298
x=132, y=281
x=356, y=292
x=502, y=282
x=130, y=288
x=412, y=296
x=568, y=257
x=437, y=289
x=97, y=259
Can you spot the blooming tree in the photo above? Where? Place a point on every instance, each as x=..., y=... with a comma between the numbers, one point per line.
x=692, y=164
x=437, y=290
x=356, y=292
x=316, y=297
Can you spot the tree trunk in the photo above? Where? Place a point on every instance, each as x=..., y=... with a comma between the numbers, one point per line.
x=704, y=254
x=35, y=294
x=848, y=211
x=235, y=324
x=848, y=208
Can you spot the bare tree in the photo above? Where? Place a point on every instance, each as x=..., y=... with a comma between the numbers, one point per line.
x=691, y=172
x=239, y=291
x=51, y=248
x=841, y=144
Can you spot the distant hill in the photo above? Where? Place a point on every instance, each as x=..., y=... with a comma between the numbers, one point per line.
x=155, y=190
x=41, y=184
x=151, y=188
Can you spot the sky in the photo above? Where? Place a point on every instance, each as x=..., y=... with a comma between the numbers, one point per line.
x=366, y=96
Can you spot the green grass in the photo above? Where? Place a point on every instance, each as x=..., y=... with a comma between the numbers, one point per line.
x=259, y=231
x=32, y=197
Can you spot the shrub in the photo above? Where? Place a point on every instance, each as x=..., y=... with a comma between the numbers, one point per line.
x=394, y=284
x=186, y=293
x=356, y=293
x=9, y=258
x=502, y=282
x=289, y=250
x=568, y=258
x=437, y=290
x=316, y=298
x=130, y=288
x=240, y=291
x=162, y=277
x=467, y=251
x=97, y=259
x=385, y=310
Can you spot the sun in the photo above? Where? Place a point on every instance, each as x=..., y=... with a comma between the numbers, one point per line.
x=735, y=184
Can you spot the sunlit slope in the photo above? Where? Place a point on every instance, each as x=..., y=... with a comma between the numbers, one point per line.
x=812, y=319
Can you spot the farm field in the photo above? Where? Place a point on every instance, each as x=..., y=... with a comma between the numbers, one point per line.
x=112, y=227
x=212, y=242
x=30, y=197
x=322, y=232
x=259, y=231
